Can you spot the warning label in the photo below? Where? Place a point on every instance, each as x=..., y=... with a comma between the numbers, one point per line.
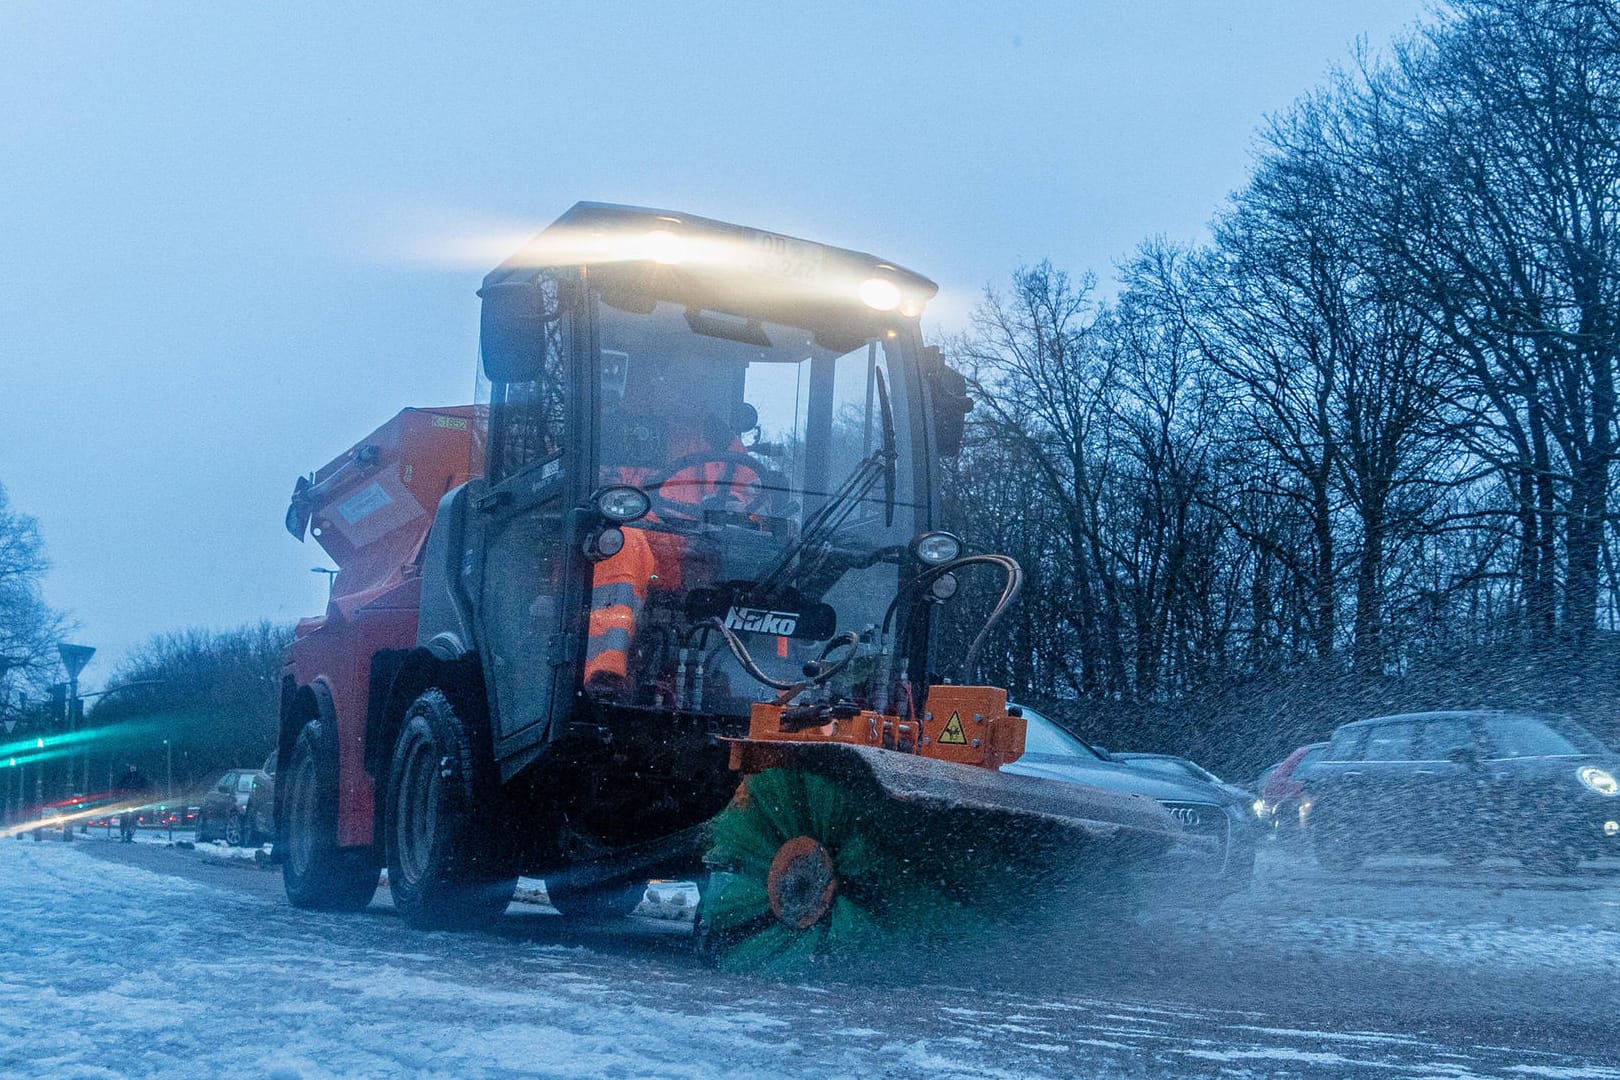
x=953, y=732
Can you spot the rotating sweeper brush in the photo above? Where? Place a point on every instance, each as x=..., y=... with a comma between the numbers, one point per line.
x=838, y=846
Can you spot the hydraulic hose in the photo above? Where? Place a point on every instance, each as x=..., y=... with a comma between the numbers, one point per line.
x=1009, y=593
x=849, y=639
x=1015, y=584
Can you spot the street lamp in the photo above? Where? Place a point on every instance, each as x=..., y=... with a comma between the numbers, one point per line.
x=331, y=576
x=74, y=657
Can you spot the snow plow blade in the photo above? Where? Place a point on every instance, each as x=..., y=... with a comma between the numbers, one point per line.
x=834, y=851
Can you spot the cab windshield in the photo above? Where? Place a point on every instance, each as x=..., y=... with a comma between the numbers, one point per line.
x=781, y=472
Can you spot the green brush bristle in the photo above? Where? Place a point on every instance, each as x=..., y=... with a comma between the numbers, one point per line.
x=886, y=891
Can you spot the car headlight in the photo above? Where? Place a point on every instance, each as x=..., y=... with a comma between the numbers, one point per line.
x=936, y=548
x=1259, y=807
x=1599, y=780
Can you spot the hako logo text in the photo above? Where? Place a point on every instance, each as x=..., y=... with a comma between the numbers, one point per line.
x=760, y=621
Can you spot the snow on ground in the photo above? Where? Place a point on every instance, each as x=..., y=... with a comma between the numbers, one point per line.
x=109, y=970
x=1416, y=911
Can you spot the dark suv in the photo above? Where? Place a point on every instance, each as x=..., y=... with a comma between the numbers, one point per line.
x=1466, y=785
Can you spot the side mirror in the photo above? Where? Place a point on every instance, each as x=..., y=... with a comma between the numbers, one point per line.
x=512, y=330
x=949, y=392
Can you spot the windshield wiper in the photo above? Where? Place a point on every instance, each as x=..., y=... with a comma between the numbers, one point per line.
x=825, y=522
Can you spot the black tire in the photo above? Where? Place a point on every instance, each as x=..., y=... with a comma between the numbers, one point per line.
x=441, y=870
x=584, y=905
x=316, y=872
x=233, y=831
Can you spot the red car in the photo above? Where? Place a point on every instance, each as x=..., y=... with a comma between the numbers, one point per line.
x=1282, y=787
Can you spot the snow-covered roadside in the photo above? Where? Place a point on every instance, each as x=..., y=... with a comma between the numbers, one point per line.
x=111, y=971
x=107, y=970
x=1418, y=914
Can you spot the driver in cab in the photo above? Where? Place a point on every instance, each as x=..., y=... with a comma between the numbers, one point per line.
x=662, y=431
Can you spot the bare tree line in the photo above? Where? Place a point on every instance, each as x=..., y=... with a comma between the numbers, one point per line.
x=1371, y=422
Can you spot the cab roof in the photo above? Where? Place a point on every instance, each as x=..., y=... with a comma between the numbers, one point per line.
x=586, y=233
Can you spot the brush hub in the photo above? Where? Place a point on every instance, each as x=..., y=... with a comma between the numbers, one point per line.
x=802, y=882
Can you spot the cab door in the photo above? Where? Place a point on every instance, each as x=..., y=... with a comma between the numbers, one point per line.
x=522, y=559
x=518, y=603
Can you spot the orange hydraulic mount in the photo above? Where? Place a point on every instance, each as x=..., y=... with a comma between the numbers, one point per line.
x=967, y=725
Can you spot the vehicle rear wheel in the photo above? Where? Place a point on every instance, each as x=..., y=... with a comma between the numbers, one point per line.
x=613, y=902
x=316, y=872
x=233, y=831
x=440, y=868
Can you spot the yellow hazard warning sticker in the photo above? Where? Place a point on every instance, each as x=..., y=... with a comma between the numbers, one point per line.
x=953, y=732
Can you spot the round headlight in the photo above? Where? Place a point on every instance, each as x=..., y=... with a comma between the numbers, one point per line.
x=663, y=246
x=622, y=503
x=609, y=542
x=880, y=294
x=936, y=548
x=944, y=586
x=1599, y=780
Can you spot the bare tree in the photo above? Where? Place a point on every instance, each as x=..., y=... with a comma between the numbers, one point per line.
x=1486, y=165
x=29, y=630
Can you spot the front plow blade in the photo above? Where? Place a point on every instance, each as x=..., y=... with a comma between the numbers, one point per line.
x=833, y=852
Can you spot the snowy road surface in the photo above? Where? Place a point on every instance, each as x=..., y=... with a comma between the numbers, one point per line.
x=143, y=960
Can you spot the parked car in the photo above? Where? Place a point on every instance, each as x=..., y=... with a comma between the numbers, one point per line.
x=262, y=799
x=1177, y=767
x=1466, y=785
x=1281, y=790
x=178, y=817
x=230, y=812
x=1217, y=857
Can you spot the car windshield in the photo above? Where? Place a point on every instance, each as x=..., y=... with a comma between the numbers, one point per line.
x=1047, y=738
x=781, y=469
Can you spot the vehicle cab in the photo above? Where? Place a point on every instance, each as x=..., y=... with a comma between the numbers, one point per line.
x=705, y=474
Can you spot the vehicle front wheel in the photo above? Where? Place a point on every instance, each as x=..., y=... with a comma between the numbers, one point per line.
x=440, y=870
x=316, y=872
x=233, y=831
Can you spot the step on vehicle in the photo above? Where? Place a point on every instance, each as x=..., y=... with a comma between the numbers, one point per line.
x=658, y=605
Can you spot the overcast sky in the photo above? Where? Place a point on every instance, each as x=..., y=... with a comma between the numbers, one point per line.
x=235, y=238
